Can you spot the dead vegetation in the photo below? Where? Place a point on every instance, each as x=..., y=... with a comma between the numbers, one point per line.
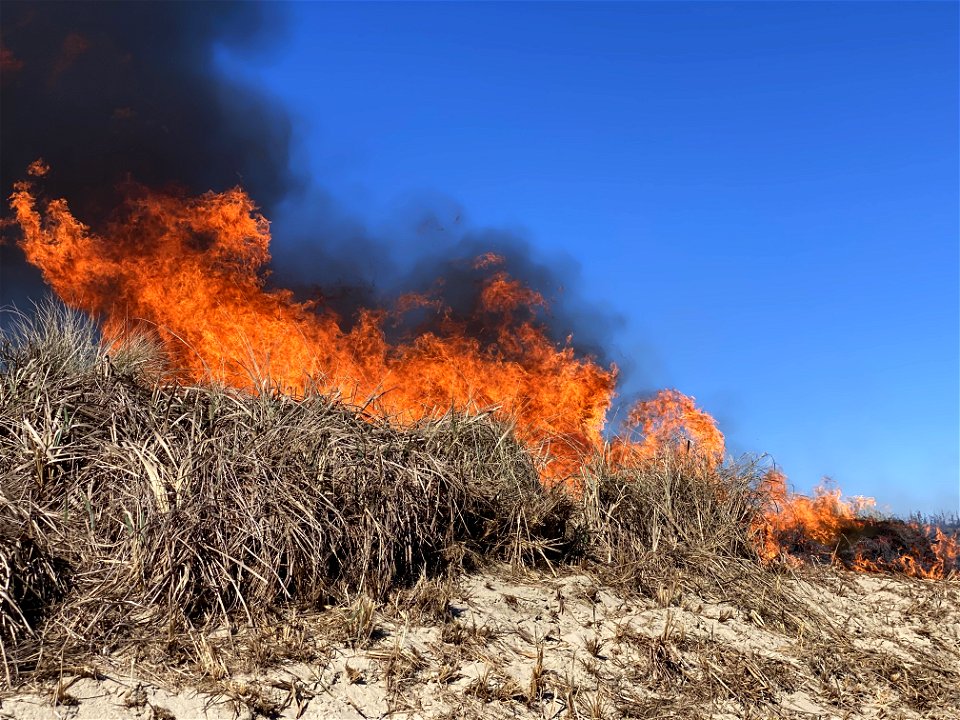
x=679, y=526
x=208, y=534
x=168, y=509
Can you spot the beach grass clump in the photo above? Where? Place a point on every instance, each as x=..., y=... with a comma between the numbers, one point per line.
x=32, y=577
x=680, y=525
x=166, y=508
x=145, y=515
x=676, y=508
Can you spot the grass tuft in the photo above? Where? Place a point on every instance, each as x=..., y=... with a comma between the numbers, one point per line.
x=168, y=509
x=191, y=524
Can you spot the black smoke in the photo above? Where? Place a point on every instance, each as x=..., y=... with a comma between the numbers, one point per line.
x=112, y=92
x=431, y=249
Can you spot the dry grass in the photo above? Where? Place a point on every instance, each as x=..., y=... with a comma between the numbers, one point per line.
x=679, y=526
x=220, y=531
x=677, y=508
x=168, y=509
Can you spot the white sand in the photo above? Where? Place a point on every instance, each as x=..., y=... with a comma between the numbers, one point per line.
x=604, y=656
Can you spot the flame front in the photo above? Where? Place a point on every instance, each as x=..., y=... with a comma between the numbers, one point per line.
x=847, y=532
x=192, y=271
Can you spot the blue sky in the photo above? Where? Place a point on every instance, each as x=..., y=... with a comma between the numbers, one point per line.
x=765, y=193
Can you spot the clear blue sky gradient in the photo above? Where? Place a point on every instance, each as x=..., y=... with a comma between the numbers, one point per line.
x=766, y=192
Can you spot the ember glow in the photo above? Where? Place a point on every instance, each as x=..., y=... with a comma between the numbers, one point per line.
x=191, y=271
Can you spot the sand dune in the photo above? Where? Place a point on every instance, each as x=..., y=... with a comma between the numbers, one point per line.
x=541, y=646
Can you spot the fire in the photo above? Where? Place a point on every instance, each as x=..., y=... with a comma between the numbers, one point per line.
x=791, y=519
x=846, y=532
x=670, y=419
x=192, y=272
x=38, y=168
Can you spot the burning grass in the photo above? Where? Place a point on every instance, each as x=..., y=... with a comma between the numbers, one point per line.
x=849, y=533
x=167, y=509
x=198, y=523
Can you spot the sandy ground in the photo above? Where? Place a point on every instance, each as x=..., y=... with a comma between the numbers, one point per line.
x=539, y=646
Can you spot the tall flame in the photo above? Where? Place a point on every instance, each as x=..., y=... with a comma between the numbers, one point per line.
x=193, y=271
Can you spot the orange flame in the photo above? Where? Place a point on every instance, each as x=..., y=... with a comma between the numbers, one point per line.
x=846, y=532
x=670, y=419
x=193, y=269
x=38, y=168
x=193, y=272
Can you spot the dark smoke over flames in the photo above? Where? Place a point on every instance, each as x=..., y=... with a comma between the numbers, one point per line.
x=109, y=93
x=135, y=128
x=118, y=95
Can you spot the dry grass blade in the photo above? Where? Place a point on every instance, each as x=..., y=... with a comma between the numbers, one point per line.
x=680, y=525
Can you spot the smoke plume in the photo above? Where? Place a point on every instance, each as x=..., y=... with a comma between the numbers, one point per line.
x=111, y=95
x=108, y=93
